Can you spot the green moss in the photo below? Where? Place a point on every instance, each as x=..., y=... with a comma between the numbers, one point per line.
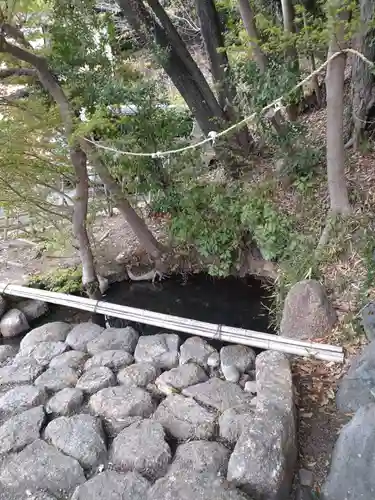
x=59, y=280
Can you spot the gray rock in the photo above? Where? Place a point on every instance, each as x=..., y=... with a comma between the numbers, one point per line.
x=368, y=320
x=21, y=430
x=124, y=339
x=65, y=402
x=3, y=306
x=121, y=406
x=161, y=350
x=307, y=311
x=7, y=352
x=43, y=352
x=190, y=485
x=19, y=399
x=139, y=374
x=55, y=379
x=234, y=421
x=199, y=351
x=213, y=361
x=80, y=437
x=33, y=309
x=239, y=356
x=351, y=476
x=201, y=456
x=264, y=457
x=231, y=374
x=306, y=477
x=40, y=466
x=111, y=485
x=141, y=447
x=357, y=387
x=184, y=419
x=13, y=323
x=114, y=359
x=95, y=379
x=22, y=372
x=176, y=379
x=50, y=332
x=70, y=359
x=251, y=386
x=82, y=334
x=218, y=394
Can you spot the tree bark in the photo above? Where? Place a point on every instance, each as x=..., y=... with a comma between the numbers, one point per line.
x=247, y=16
x=339, y=199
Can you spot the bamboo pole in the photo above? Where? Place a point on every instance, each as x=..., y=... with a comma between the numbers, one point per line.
x=223, y=333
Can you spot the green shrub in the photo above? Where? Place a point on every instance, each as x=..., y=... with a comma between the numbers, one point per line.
x=59, y=280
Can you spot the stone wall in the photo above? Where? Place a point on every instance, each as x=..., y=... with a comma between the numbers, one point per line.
x=89, y=413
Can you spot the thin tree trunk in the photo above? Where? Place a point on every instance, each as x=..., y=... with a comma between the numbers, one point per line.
x=339, y=199
x=292, y=54
x=247, y=16
x=314, y=80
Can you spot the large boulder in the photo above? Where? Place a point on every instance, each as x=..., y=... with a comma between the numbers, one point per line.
x=357, y=387
x=196, y=350
x=264, y=457
x=13, y=323
x=98, y=377
x=201, y=456
x=185, y=419
x=124, y=339
x=19, y=399
x=43, y=352
x=82, y=334
x=80, y=437
x=160, y=350
x=65, y=402
x=21, y=430
x=24, y=371
x=55, y=379
x=234, y=421
x=70, y=359
x=50, y=332
x=139, y=374
x=353, y=460
x=111, y=485
x=33, y=309
x=113, y=359
x=178, y=378
x=307, y=311
x=38, y=467
x=141, y=447
x=7, y=352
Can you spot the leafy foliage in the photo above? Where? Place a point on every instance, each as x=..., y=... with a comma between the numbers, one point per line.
x=60, y=280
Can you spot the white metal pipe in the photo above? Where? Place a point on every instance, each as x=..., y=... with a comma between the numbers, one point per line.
x=223, y=333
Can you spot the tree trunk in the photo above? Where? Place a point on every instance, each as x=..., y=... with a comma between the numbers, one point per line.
x=363, y=83
x=247, y=16
x=339, y=200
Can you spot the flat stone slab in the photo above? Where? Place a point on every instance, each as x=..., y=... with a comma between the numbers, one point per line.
x=139, y=374
x=177, y=379
x=70, y=359
x=111, y=485
x=98, y=377
x=50, y=332
x=81, y=437
x=21, y=398
x=124, y=339
x=113, y=359
x=141, y=447
x=41, y=466
x=218, y=394
x=160, y=350
x=65, y=402
x=196, y=350
x=120, y=405
x=190, y=485
x=22, y=372
x=43, y=352
x=55, y=379
x=185, y=419
x=21, y=430
x=82, y=334
x=201, y=456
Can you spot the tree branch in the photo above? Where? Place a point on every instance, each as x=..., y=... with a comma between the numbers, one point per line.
x=15, y=33
x=8, y=72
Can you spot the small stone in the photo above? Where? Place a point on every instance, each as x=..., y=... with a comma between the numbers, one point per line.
x=40, y=466
x=239, y=356
x=23, y=372
x=251, y=386
x=95, y=379
x=139, y=374
x=213, y=361
x=218, y=394
x=82, y=334
x=13, y=323
x=80, y=436
x=124, y=339
x=33, y=309
x=243, y=379
x=160, y=350
x=178, y=378
x=201, y=456
x=43, y=352
x=50, y=332
x=111, y=485
x=141, y=447
x=19, y=399
x=120, y=406
x=113, y=359
x=70, y=359
x=21, y=430
x=7, y=352
x=231, y=374
x=184, y=419
x=199, y=351
x=55, y=379
x=306, y=477
x=234, y=421
x=65, y=402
